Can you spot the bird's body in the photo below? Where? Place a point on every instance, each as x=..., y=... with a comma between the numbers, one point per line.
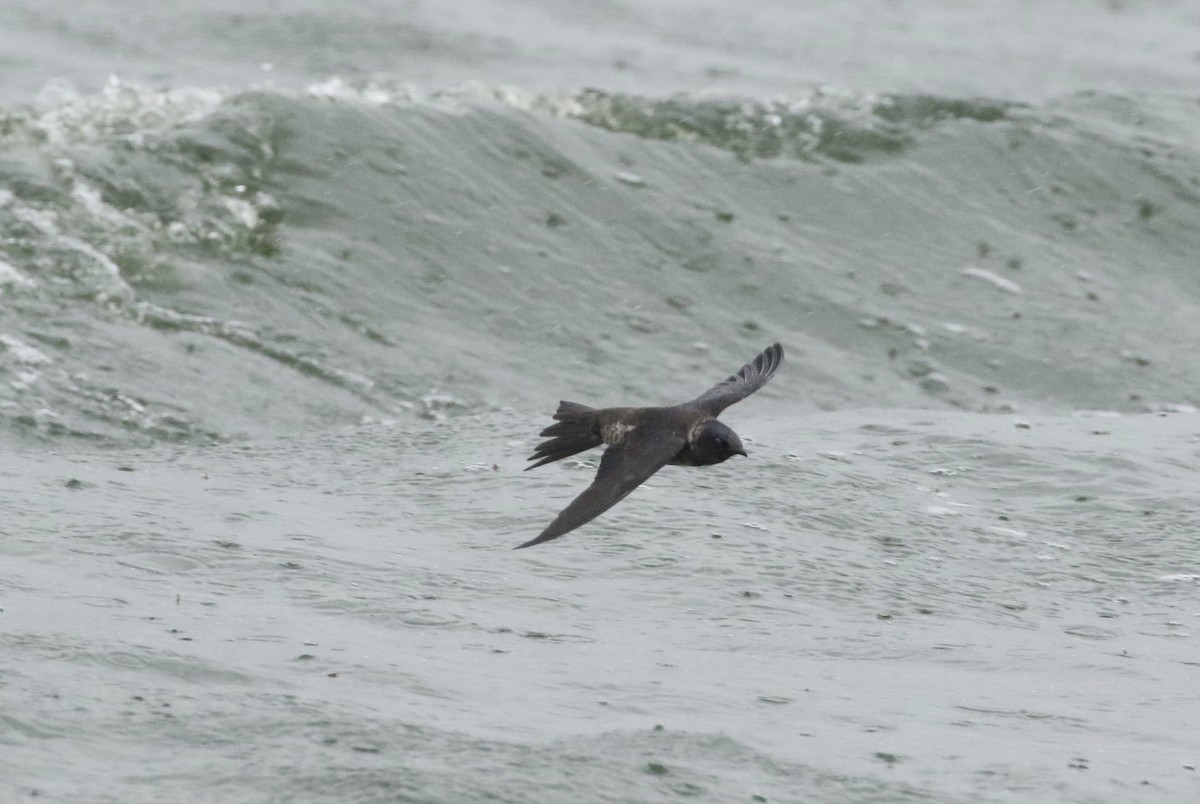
x=640, y=441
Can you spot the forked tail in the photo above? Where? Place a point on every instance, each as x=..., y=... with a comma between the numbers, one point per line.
x=576, y=428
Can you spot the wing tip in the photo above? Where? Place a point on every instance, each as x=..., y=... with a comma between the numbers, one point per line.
x=771, y=358
x=542, y=537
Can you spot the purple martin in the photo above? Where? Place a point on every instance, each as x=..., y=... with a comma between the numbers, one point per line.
x=641, y=441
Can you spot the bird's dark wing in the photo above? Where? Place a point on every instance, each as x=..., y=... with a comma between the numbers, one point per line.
x=623, y=468
x=750, y=378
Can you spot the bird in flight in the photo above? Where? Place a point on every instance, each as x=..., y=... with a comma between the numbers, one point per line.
x=640, y=441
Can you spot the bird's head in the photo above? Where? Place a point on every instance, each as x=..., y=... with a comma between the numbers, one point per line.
x=714, y=442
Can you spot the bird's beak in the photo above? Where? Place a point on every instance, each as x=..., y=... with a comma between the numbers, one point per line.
x=742, y=452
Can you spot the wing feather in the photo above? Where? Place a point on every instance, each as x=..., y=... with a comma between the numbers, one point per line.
x=747, y=380
x=623, y=468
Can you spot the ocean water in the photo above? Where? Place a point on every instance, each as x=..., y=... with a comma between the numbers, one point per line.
x=288, y=290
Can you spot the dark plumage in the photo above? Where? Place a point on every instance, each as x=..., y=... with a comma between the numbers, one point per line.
x=643, y=440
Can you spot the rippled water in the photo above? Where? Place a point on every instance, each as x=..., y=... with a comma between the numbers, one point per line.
x=921, y=604
x=277, y=333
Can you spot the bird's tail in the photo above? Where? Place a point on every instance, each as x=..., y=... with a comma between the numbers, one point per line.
x=576, y=428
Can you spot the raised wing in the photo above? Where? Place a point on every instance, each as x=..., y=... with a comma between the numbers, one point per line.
x=750, y=378
x=623, y=468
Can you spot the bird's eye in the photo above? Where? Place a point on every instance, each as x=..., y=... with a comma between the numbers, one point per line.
x=720, y=443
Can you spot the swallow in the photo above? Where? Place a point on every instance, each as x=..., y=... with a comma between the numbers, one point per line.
x=640, y=441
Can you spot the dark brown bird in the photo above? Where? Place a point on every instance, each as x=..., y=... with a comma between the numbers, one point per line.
x=643, y=440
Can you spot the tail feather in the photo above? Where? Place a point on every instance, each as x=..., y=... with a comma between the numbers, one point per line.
x=576, y=428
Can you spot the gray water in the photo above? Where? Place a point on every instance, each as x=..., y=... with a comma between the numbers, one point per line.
x=286, y=294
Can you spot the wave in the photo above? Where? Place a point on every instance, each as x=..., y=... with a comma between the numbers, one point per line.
x=838, y=126
x=199, y=265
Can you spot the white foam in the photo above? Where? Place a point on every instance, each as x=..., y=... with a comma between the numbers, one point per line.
x=22, y=352
x=11, y=276
x=995, y=279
